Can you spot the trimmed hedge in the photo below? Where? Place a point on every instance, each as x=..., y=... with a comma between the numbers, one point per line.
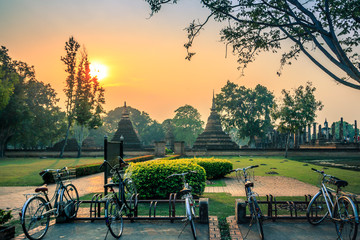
x=215, y=168
x=151, y=179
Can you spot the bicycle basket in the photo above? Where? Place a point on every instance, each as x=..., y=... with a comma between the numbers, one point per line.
x=64, y=175
x=250, y=175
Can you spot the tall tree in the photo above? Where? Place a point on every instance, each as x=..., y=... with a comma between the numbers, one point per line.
x=70, y=61
x=31, y=107
x=88, y=101
x=187, y=124
x=246, y=110
x=332, y=27
x=84, y=95
x=296, y=110
x=44, y=121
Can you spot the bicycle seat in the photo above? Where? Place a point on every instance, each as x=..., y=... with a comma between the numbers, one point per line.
x=249, y=184
x=185, y=191
x=41, y=189
x=341, y=183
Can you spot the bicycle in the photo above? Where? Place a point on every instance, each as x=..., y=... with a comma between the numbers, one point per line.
x=36, y=212
x=189, y=202
x=254, y=208
x=340, y=208
x=116, y=204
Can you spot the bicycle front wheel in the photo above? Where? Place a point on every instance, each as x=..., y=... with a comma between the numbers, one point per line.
x=34, y=218
x=130, y=194
x=70, y=200
x=114, y=218
x=258, y=218
x=346, y=219
x=190, y=212
x=317, y=209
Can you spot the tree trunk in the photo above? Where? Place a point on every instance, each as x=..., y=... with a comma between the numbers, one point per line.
x=287, y=145
x=65, y=141
x=80, y=141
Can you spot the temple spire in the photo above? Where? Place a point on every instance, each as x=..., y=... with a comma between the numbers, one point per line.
x=213, y=102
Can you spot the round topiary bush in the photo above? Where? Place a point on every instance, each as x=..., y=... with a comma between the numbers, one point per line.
x=215, y=168
x=151, y=179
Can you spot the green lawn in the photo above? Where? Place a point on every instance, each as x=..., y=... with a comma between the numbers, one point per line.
x=25, y=171
x=296, y=169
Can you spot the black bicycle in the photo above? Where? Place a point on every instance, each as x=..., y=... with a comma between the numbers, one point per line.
x=37, y=210
x=189, y=202
x=255, y=211
x=338, y=207
x=118, y=203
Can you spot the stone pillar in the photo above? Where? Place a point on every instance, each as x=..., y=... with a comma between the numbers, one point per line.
x=179, y=148
x=356, y=132
x=296, y=141
x=240, y=211
x=204, y=210
x=327, y=130
x=341, y=131
x=333, y=133
x=160, y=148
x=309, y=134
x=314, y=132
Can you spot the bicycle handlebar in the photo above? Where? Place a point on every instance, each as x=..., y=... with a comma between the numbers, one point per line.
x=181, y=174
x=105, y=161
x=244, y=169
x=43, y=172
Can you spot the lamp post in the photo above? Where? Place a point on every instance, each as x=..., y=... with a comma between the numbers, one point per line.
x=105, y=165
x=121, y=147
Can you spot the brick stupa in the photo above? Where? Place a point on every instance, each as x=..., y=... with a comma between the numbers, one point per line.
x=126, y=129
x=213, y=137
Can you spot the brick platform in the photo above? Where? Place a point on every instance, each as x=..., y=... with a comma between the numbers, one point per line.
x=235, y=233
x=214, y=231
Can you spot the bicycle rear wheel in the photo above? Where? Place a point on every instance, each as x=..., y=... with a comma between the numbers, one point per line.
x=33, y=220
x=130, y=194
x=346, y=218
x=114, y=218
x=70, y=199
x=317, y=209
x=258, y=217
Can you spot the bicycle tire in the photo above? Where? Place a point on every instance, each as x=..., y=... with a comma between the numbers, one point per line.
x=33, y=222
x=130, y=193
x=317, y=209
x=70, y=199
x=258, y=218
x=190, y=215
x=113, y=218
x=345, y=218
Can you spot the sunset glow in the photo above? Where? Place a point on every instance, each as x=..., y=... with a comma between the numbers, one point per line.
x=99, y=70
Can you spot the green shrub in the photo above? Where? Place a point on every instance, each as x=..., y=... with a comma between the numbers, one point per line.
x=152, y=182
x=4, y=216
x=215, y=168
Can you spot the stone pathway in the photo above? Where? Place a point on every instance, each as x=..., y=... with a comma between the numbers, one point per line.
x=274, y=185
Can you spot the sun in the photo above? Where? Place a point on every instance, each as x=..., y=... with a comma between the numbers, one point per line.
x=98, y=70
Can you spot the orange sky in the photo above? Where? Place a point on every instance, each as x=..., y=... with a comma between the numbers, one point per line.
x=146, y=58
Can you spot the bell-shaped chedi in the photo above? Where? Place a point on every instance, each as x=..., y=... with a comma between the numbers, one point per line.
x=213, y=137
x=126, y=129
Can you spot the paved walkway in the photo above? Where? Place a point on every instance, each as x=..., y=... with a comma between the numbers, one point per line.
x=274, y=185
